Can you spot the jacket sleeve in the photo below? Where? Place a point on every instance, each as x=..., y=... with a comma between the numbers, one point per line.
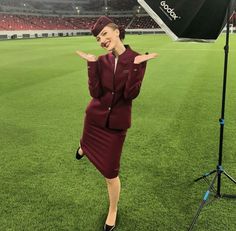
x=133, y=84
x=94, y=82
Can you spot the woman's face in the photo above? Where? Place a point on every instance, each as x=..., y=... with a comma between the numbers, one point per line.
x=108, y=38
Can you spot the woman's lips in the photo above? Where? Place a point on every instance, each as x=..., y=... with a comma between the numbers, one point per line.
x=106, y=44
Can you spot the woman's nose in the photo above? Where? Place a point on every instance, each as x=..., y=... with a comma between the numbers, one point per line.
x=102, y=42
x=102, y=39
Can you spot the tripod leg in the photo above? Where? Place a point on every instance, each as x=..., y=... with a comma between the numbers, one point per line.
x=231, y=178
x=208, y=182
x=198, y=212
x=205, y=175
x=202, y=203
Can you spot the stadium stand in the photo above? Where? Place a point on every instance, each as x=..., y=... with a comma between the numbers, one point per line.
x=30, y=22
x=122, y=5
x=143, y=22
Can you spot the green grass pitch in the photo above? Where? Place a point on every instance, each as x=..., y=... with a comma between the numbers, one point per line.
x=173, y=140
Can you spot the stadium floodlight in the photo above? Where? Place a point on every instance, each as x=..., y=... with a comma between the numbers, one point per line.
x=198, y=20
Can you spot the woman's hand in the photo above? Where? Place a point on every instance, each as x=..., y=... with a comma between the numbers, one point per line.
x=88, y=57
x=141, y=58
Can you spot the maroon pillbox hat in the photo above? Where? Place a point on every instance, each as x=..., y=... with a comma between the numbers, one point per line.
x=100, y=24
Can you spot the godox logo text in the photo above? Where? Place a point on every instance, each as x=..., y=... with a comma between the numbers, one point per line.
x=170, y=11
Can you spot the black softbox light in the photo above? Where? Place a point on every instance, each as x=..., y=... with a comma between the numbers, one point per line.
x=198, y=20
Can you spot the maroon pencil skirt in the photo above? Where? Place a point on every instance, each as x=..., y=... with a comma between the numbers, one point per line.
x=103, y=147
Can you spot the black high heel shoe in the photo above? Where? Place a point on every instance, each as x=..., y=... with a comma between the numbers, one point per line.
x=77, y=155
x=108, y=227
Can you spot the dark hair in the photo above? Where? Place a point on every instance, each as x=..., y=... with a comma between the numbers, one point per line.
x=120, y=28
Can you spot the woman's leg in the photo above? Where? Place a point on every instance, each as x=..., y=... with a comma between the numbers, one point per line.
x=113, y=187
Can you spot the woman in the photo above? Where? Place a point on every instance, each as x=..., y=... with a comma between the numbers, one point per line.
x=114, y=81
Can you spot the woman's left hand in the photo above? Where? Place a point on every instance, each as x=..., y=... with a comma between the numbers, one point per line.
x=141, y=58
x=88, y=57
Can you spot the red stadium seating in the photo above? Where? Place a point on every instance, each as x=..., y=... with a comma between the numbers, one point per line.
x=143, y=22
x=24, y=22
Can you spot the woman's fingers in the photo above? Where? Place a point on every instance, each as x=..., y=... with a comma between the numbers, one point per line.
x=88, y=57
x=141, y=58
x=81, y=54
x=152, y=55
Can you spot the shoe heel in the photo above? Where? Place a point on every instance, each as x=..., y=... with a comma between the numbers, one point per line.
x=77, y=155
x=108, y=227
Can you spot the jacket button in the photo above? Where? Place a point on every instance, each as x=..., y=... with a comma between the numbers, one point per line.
x=113, y=93
x=109, y=108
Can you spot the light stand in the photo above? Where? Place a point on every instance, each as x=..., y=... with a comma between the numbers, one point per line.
x=219, y=169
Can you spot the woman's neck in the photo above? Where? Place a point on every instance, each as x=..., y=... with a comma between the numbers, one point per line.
x=119, y=49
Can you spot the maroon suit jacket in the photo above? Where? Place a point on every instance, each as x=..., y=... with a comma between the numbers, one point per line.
x=113, y=92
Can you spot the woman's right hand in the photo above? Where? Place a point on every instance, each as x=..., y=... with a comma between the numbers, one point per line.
x=88, y=57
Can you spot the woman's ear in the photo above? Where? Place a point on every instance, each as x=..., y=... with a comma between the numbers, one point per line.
x=117, y=32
